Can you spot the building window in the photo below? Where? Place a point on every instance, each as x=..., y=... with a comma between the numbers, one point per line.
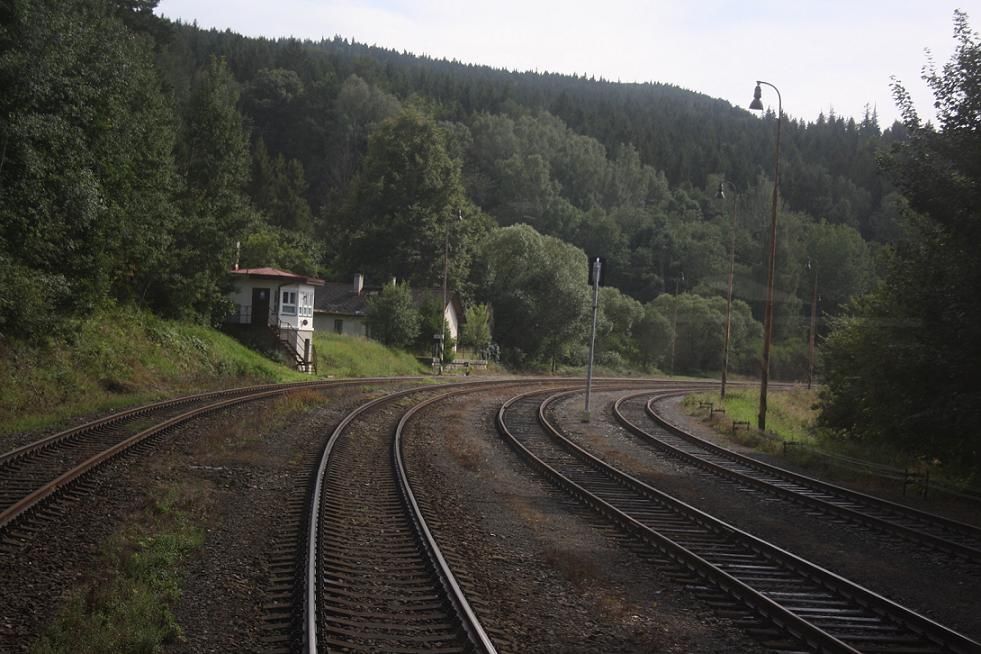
x=338, y=326
x=306, y=304
x=288, y=305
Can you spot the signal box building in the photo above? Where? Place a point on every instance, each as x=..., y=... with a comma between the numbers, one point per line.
x=278, y=299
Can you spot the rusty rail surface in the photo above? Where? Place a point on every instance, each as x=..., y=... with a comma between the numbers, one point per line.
x=814, y=607
x=937, y=532
x=41, y=466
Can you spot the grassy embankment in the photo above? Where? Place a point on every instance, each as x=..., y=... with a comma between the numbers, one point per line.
x=792, y=418
x=122, y=356
x=790, y=415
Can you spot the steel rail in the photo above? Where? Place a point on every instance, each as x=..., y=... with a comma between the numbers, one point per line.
x=146, y=409
x=793, y=624
x=27, y=503
x=467, y=616
x=310, y=607
x=30, y=501
x=310, y=595
x=856, y=515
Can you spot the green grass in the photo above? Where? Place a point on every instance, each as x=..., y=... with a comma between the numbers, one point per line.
x=119, y=357
x=790, y=414
x=128, y=607
x=122, y=356
x=349, y=356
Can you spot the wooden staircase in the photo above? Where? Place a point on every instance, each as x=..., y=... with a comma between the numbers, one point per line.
x=295, y=348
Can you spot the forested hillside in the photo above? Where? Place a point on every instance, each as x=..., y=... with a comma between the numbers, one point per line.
x=137, y=153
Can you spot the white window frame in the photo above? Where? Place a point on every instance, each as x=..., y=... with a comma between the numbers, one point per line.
x=287, y=305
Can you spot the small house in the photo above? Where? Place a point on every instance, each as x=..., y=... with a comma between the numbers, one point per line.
x=281, y=300
x=342, y=308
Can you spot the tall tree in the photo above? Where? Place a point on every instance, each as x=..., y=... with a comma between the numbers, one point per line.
x=392, y=318
x=537, y=287
x=214, y=158
x=85, y=159
x=901, y=368
x=403, y=207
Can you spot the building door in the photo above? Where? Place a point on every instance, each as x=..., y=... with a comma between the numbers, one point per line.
x=260, y=306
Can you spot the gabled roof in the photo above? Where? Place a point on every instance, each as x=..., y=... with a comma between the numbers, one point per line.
x=340, y=298
x=276, y=273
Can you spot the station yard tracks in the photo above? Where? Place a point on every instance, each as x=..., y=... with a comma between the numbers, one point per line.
x=377, y=578
x=38, y=473
x=786, y=601
x=638, y=414
x=364, y=571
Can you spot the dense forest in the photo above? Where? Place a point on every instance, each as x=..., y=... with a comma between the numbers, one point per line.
x=135, y=153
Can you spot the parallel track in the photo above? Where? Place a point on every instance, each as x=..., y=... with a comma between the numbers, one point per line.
x=375, y=579
x=35, y=473
x=814, y=607
x=936, y=532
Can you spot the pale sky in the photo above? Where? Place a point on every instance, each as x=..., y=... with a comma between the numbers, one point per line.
x=821, y=54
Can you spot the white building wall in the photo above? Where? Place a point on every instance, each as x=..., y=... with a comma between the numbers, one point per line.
x=350, y=325
x=241, y=296
x=453, y=323
x=294, y=306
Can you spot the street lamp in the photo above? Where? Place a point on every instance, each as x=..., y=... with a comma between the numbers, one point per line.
x=768, y=307
x=721, y=195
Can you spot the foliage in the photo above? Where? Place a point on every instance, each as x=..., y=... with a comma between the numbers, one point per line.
x=901, y=366
x=476, y=331
x=135, y=153
x=86, y=174
x=214, y=160
x=392, y=318
x=348, y=356
x=432, y=320
x=278, y=247
x=130, y=608
x=402, y=208
x=119, y=356
x=698, y=325
x=617, y=324
x=537, y=286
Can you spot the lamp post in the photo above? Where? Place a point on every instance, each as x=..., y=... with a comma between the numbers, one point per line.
x=757, y=104
x=732, y=268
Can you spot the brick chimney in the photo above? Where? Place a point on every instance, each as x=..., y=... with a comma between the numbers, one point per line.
x=358, y=283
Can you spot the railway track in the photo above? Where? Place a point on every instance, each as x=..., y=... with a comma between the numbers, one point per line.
x=375, y=578
x=933, y=531
x=34, y=474
x=783, y=599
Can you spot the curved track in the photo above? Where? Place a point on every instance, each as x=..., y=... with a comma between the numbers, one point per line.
x=33, y=474
x=375, y=578
x=936, y=532
x=812, y=606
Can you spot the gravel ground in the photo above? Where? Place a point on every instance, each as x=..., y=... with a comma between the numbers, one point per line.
x=923, y=581
x=547, y=575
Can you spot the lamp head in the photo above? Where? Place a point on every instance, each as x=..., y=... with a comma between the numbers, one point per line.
x=757, y=104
